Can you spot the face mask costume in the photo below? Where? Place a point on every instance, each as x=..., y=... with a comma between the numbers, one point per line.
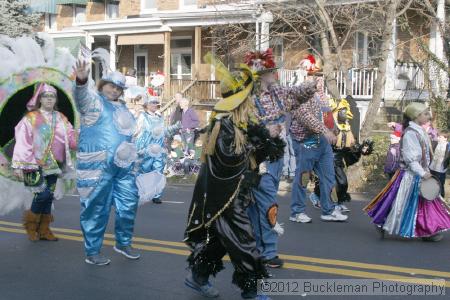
x=346, y=151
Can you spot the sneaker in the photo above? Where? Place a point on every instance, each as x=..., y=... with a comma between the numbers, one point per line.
x=275, y=262
x=335, y=216
x=342, y=208
x=127, y=251
x=315, y=200
x=98, y=260
x=206, y=290
x=300, y=218
x=157, y=200
x=434, y=238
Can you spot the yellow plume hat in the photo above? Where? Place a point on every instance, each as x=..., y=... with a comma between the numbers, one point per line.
x=234, y=88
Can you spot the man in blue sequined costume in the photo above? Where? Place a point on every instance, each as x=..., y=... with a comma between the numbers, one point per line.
x=105, y=164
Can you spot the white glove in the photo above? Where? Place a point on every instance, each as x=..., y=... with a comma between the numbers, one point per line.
x=262, y=168
x=278, y=228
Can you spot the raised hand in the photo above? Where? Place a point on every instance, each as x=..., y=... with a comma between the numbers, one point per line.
x=81, y=70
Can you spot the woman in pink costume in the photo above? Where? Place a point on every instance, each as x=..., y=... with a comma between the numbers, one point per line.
x=44, y=138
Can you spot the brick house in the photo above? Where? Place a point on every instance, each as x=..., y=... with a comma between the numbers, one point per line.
x=171, y=36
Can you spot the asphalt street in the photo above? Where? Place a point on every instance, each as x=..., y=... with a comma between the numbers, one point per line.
x=319, y=250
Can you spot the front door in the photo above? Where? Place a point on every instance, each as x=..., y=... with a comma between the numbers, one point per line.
x=141, y=66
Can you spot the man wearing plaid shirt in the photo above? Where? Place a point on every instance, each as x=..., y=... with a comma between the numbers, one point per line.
x=271, y=103
x=312, y=142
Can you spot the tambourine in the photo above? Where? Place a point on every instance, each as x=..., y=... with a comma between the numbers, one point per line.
x=430, y=188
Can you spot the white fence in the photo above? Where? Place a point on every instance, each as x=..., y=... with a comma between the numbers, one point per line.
x=363, y=79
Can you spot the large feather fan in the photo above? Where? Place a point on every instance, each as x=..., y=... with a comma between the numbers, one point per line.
x=25, y=52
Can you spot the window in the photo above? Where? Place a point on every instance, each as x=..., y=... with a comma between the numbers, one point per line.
x=50, y=22
x=181, y=57
x=189, y=3
x=79, y=14
x=149, y=4
x=367, y=49
x=181, y=43
x=112, y=10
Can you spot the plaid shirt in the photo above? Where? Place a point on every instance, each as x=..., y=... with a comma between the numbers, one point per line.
x=272, y=104
x=307, y=120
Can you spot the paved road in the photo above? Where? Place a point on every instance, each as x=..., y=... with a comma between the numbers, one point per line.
x=351, y=250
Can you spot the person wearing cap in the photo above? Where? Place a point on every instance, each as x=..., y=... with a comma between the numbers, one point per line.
x=218, y=222
x=106, y=155
x=272, y=102
x=149, y=138
x=400, y=209
x=43, y=140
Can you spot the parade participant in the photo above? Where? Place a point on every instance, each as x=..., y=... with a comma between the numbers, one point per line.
x=149, y=138
x=347, y=151
x=217, y=221
x=392, y=162
x=312, y=142
x=43, y=137
x=400, y=209
x=272, y=102
x=106, y=156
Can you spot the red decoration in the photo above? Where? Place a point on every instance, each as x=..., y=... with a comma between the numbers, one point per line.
x=264, y=59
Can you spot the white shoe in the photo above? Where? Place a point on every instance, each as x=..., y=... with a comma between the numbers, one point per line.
x=342, y=208
x=301, y=218
x=336, y=216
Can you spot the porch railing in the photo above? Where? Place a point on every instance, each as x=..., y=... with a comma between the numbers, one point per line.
x=363, y=79
x=200, y=92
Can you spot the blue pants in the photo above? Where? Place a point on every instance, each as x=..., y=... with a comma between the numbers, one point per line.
x=117, y=187
x=319, y=160
x=42, y=202
x=289, y=158
x=154, y=164
x=266, y=196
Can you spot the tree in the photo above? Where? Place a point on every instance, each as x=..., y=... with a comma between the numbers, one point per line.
x=392, y=12
x=16, y=18
x=434, y=62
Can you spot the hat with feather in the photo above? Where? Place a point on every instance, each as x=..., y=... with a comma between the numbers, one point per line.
x=235, y=87
x=261, y=61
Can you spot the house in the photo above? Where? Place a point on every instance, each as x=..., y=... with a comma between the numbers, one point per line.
x=172, y=36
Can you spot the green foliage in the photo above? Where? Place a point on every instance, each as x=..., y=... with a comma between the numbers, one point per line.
x=15, y=19
x=373, y=164
x=439, y=108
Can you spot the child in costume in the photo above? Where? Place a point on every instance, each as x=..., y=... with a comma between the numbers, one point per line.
x=391, y=164
x=43, y=138
x=105, y=164
x=218, y=222
x=149, y=138
x=441, y=157
x=400, y=209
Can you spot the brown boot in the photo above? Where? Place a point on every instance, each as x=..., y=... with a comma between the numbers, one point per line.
x=31, y=224
x=44, y=228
